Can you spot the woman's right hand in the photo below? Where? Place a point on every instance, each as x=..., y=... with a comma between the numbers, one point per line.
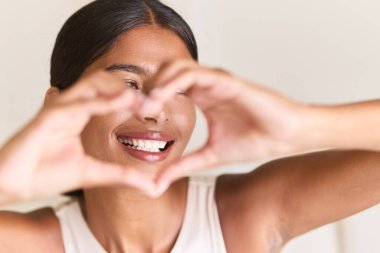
x=46, y=157
x=245, y=121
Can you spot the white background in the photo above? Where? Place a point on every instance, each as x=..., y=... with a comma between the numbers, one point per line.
x=324, y=51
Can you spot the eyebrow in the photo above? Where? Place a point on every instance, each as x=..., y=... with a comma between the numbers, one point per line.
x=128, y=68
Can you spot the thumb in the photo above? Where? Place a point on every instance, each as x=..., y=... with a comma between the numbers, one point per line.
x=202, y=159
x=98, y=173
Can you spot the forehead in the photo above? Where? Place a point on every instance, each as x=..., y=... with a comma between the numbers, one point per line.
x=147, y=47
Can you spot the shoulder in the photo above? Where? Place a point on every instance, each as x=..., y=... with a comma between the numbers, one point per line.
x=37, y=231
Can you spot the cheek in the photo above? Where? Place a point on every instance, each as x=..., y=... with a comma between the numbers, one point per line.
x=95, y=136
x=99, y=129
x=89, y=134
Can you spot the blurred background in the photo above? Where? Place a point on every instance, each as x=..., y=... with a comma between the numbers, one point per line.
x=324, y=51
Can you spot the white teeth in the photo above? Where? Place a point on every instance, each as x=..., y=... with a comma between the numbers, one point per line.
x=148, y=144
x=144, y=145
x=161, y=144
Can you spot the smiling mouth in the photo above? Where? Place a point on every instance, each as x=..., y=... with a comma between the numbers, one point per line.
x=151, y=146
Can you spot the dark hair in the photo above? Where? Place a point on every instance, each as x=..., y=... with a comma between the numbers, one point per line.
x=92, y=31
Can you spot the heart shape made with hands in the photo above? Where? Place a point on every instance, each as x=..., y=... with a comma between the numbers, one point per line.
x=245, y=122
x=240, y=118
x=59, y=162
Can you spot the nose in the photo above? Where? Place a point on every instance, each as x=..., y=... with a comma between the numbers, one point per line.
x=162, y=117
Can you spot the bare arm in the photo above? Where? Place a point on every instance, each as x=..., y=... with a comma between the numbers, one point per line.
x=295, y=195
x=37, y=231
x=326, y=187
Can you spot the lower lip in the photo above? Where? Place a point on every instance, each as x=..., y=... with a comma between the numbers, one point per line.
x=147, y=156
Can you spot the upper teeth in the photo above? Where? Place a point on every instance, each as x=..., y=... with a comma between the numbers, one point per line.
x=144, y=145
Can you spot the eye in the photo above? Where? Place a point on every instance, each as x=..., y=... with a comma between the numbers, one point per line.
x=133, y=84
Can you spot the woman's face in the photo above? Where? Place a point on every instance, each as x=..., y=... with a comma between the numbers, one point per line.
x=150, y=142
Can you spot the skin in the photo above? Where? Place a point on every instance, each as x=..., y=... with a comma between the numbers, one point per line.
x=43, y=171
x=275, y=203
x=262, y=122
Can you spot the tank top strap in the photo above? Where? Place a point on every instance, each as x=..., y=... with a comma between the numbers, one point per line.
x=76, y=235
x=201, y=230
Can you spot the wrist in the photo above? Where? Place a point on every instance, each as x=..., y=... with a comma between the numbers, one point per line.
x=338, y=126
x=319, y=127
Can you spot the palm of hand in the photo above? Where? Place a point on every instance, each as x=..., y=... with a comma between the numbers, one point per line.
x=238, y=133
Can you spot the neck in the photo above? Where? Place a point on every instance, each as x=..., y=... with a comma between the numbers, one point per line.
x=124, y=220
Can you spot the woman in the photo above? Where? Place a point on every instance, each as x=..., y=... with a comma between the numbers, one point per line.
x=257, y=212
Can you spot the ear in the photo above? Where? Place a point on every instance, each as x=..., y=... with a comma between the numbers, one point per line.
x=51, y=94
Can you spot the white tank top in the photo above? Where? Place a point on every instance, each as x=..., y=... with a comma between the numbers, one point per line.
x=200, y=232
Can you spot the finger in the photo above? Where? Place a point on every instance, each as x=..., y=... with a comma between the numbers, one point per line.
x=192, y=81
x=198, y=84
x=199, y=160
x=98, y=84
x=98, y=173
x=154, y=103
x=80, y=112
x=128, y=100
x=169, y=70
x=100, y=106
